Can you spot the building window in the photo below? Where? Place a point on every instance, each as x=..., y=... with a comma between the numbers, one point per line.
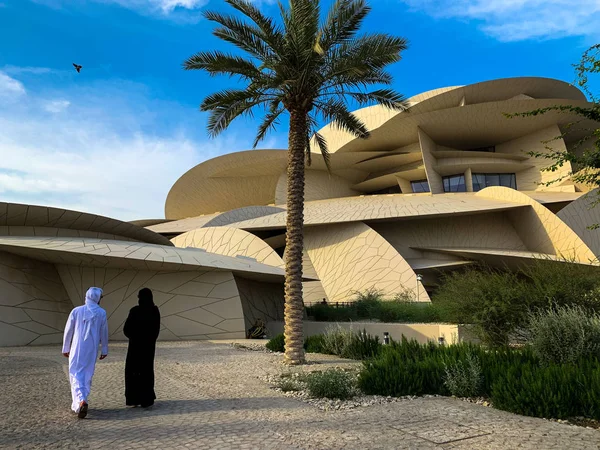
x=455, y=183
x=483, y=180
x=389, y=190
x=419, y=186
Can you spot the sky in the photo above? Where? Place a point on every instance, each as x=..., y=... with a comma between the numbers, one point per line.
x=113, y=139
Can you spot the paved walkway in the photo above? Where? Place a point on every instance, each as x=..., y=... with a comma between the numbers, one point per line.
x=211, y=397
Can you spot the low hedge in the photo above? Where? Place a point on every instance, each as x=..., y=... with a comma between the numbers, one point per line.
x=336, y=341
x=514, y=379
x=334, y=384
x=392, y=311
x=277, y=343
x=557, y=391
x=391, y=375
x=314, y=344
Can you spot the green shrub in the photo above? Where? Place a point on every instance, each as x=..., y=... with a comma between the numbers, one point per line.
x=565, y=334
x=410, y=368
x=314, y=344
x=362, y=346
x=336, y=340
x=494, y=302
x=514, y=379
x=497, y=303
x=331, y=313
x=399, y=310
x=553, y=283
x=390, y=375
x=277, y=343
x=288, y=385
x=556, y=391
x=371, y=305
x=330, y=384
x=464, y=378
x=367, y=303
x=496, y=362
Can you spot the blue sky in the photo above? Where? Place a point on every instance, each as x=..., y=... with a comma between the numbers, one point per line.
x=114, y=138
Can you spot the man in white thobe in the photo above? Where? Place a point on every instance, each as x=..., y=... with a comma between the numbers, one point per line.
x=86, y=329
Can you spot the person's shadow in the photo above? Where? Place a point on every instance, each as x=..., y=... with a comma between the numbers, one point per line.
x=172, y=407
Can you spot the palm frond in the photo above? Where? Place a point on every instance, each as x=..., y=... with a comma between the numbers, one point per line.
x=217, y=63
x=322, y=144
x=270, y=121
x=343, y=22
x=300, y=63
x=336, y=112
x=385, y=97
x=302, y=38
x=271, y=33
x=226, y=105
x=307, y=151
x=374, y=51
x=240, y=34
x=357, y=80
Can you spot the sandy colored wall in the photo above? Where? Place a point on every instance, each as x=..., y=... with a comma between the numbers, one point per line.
x=193, y=305
x=319, y=185
x=540, y=229
x=224, y=194
x=260, y=301
x=353, y=257
x=582, y=214
x=240, y=214
x=422, y=333
x=313, y=292
x=34, y=306
x=436, y=185
x=493, y=230
x=530, y=179
x=229, y=242
x=226, y=182
x=57, y=232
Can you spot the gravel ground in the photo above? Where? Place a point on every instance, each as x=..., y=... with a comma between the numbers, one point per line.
x=214, y=396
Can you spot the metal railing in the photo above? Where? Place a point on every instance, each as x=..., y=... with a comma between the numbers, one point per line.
x=331, y=304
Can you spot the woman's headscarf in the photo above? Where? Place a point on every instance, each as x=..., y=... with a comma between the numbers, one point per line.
x=145, y=297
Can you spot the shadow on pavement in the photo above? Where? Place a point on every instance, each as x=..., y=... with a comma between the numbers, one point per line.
x=176, y=407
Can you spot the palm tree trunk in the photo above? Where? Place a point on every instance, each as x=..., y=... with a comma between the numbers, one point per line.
x=294, y=238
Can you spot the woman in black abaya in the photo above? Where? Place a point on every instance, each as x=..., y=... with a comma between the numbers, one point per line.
x=142, y=328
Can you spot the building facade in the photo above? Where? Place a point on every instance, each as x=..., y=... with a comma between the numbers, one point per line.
x=444, y=185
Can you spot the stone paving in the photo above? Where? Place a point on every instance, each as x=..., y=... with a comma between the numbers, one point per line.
x=212, y=397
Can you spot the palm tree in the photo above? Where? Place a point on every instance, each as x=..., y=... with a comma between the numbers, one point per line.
x=312, y=69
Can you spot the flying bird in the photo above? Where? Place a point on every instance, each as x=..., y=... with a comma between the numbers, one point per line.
x=77, y=67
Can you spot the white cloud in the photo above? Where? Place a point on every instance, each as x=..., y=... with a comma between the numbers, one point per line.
x=162, y=6
x=107, y=153
x=169, y=5
x=56, y=106
x=10, y=89
x=166, y=8
x=86, y=168
x=515, y=20
x=33, y=70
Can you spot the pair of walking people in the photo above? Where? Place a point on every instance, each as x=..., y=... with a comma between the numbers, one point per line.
x=87, y=329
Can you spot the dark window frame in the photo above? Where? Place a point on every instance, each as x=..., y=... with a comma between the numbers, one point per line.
x=447, y=181
x=512, y=182
x=420, y=182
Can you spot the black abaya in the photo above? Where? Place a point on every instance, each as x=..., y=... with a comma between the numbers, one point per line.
x=142, y=328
